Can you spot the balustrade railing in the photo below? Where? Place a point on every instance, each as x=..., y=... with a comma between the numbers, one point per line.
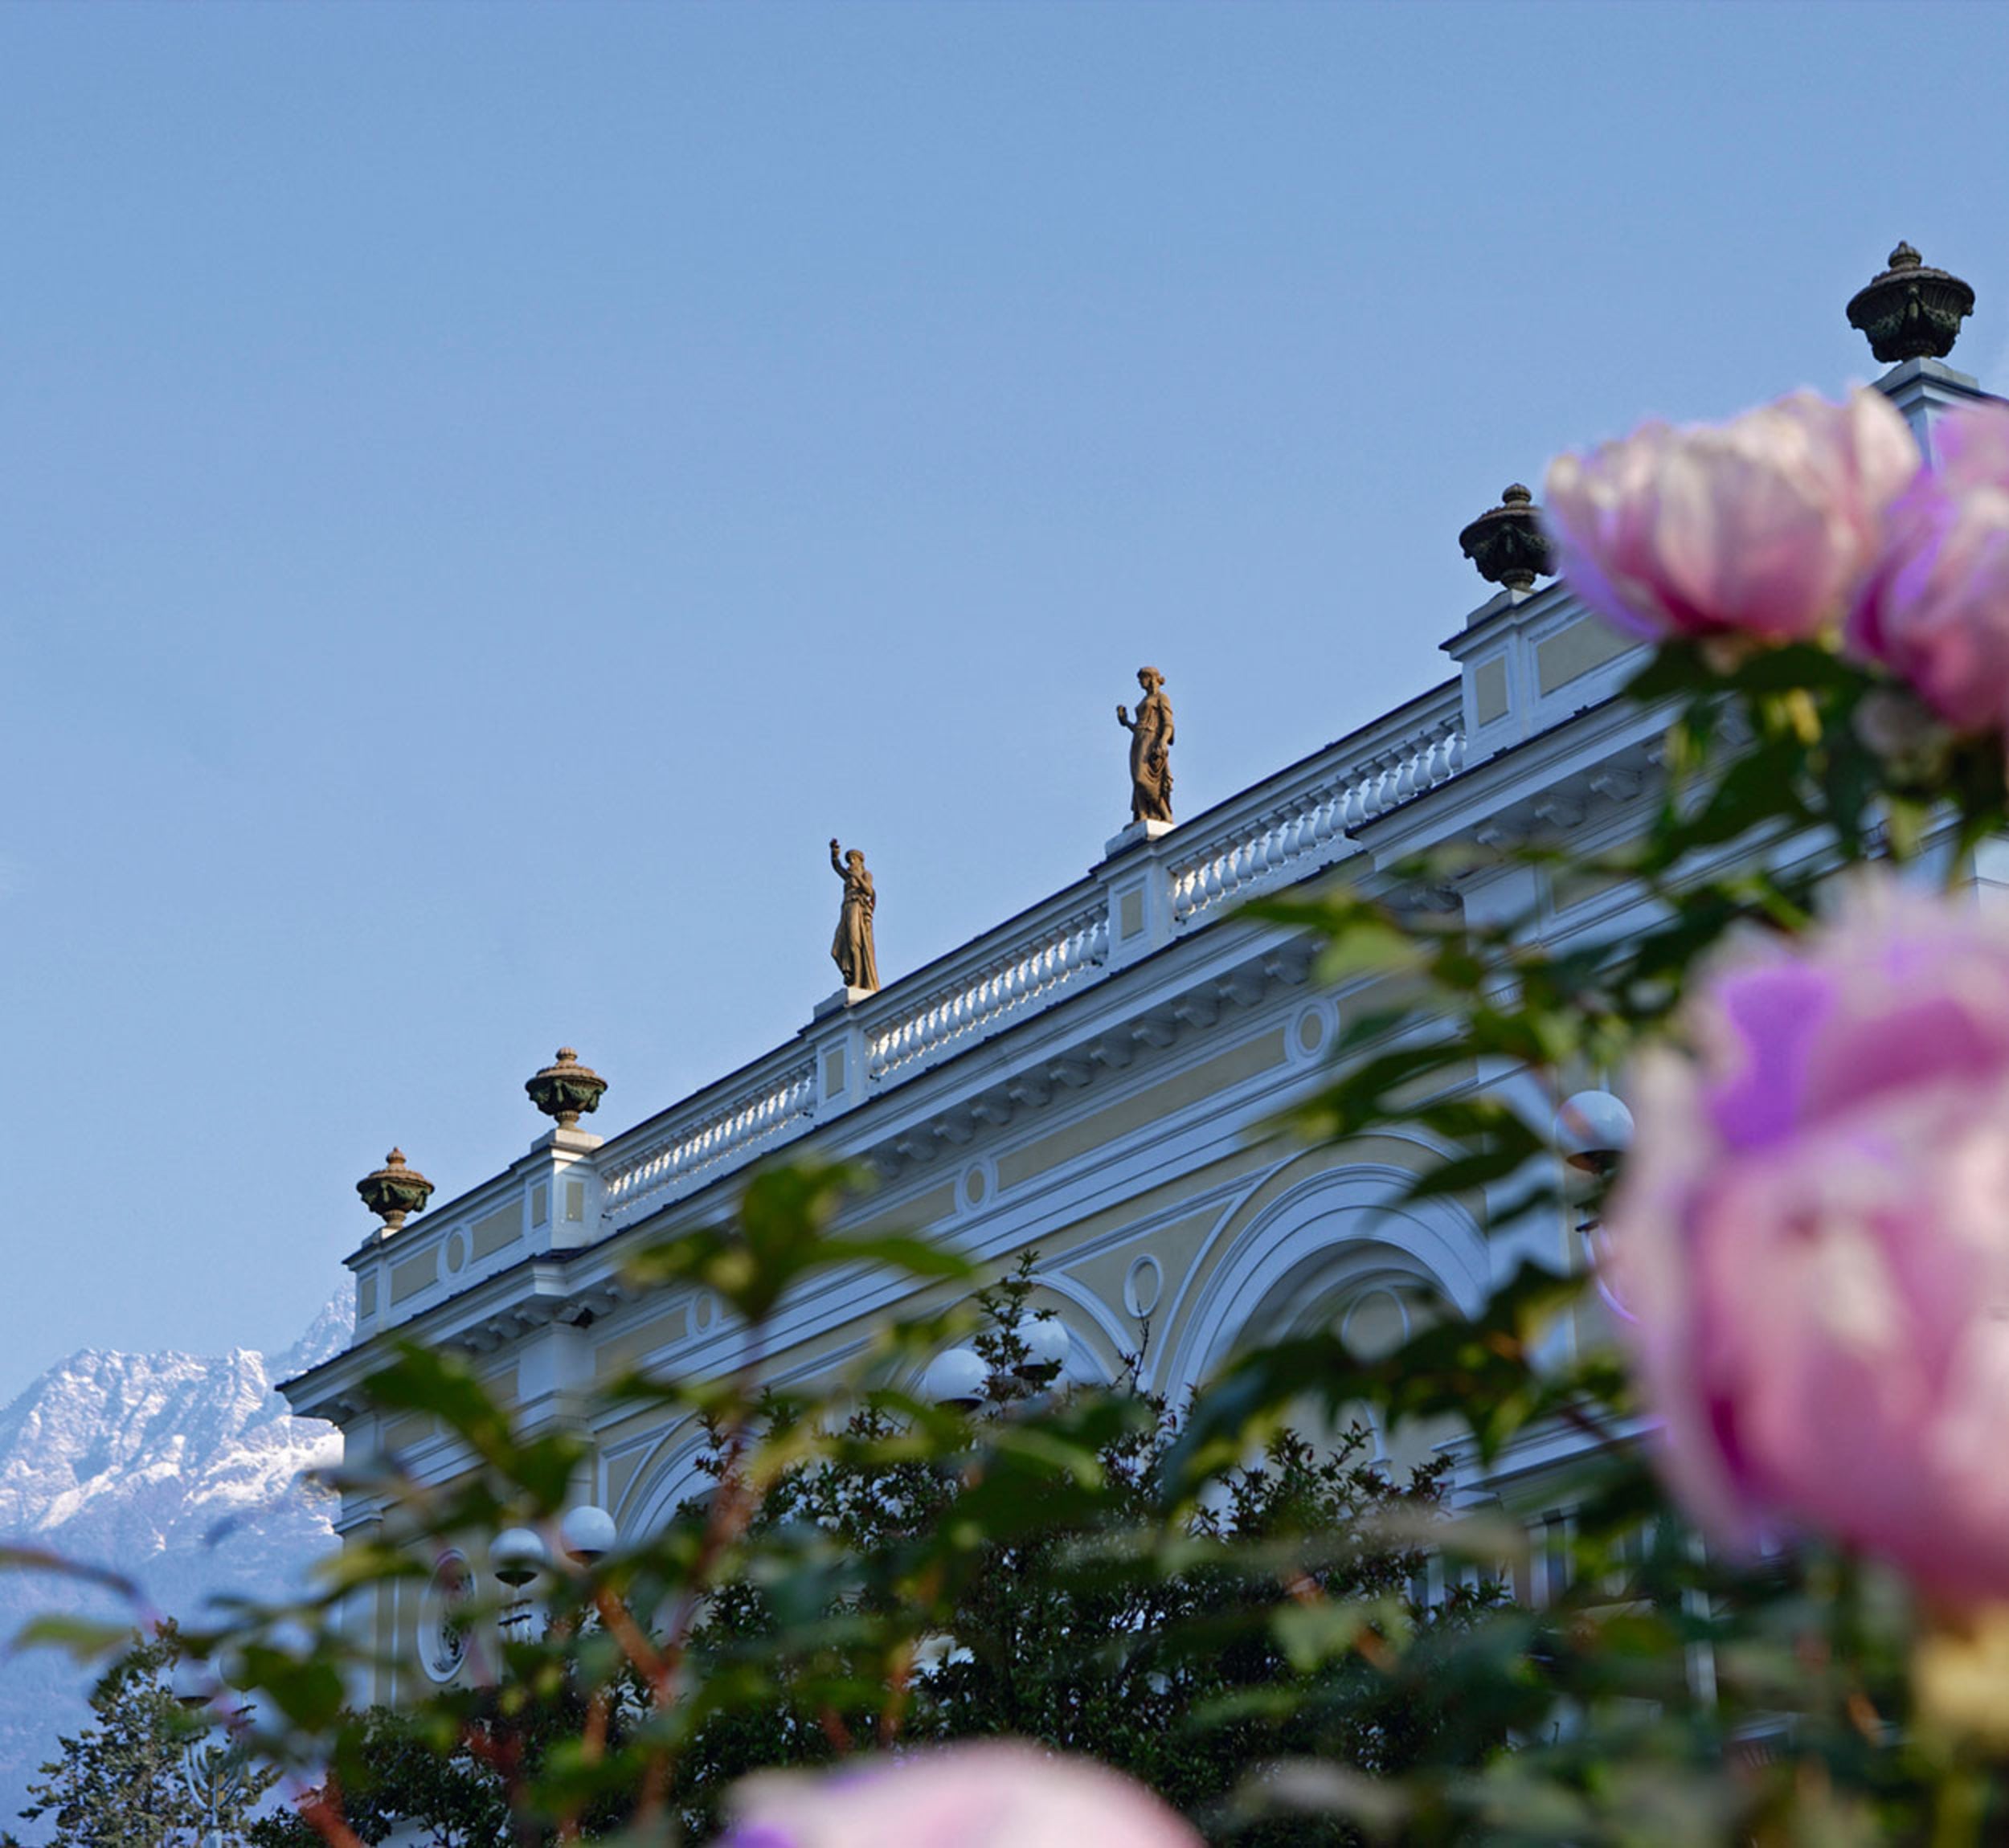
x=1288, y=827
x=977, y=1002
x=1302, y=829
x=728, y=1133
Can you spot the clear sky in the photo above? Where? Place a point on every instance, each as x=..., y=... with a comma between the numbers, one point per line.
x=487, y=493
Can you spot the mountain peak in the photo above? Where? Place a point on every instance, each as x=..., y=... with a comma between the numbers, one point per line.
x=187, y=1471
x=331, y=1331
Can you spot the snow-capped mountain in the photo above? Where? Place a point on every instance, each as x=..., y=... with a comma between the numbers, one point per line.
x=181, y=1471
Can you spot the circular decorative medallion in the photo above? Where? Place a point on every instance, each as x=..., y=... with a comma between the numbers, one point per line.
x=456, y=1251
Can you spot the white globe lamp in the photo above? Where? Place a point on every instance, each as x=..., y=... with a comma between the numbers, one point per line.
x=517, y=1555
x=587, y=1534
x=957, y=1377
x=1593, y=1129
x=193, y=1684
x=1047, y=1345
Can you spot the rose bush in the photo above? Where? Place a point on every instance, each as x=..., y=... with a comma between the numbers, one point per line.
x=1760, y=528
x=1814, y=1235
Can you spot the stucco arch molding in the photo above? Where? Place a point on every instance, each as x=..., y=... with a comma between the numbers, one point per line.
x=1321, y=1241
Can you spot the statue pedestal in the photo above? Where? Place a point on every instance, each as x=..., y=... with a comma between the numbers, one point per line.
x=1134, y=835
x=844, y=998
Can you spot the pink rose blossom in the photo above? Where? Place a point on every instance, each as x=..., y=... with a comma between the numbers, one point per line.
x=1813, y=1231
x=1760, y=527
x=998, y=1793
x=1935, y=609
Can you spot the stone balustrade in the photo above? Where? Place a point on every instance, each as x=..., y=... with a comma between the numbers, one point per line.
x=1298, y=822
x=650, y=1165
x=1285, y=829
x=1006, y=983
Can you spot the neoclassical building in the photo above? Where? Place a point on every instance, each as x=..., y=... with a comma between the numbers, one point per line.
x=1088, y=1080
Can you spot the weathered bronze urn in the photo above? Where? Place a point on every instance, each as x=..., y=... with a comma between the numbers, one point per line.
x=1912, y=311
x=1507, y=543
x=566, y=1090
x=394, y=1191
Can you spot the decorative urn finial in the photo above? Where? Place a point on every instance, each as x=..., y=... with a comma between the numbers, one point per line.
x=1912, y=311
x=564, y=1090
x=394, y=1191
x=1506, y=542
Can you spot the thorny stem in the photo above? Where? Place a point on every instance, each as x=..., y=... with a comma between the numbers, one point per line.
x=900, y=1681
x=731, y=1510
x=322, y=1812
x=592, y=1743
x=621, y=1622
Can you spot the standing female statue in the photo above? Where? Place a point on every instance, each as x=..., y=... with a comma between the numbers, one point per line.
x=1150, y=750
x=851, y=949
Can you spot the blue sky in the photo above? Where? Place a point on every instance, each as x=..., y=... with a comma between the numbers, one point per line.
x=489, y=490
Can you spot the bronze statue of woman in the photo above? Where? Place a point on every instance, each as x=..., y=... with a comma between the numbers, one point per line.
x=851, y=949
x=1150, y=750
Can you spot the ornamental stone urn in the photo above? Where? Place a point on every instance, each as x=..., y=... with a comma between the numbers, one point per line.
x=566, y=1088
x=1507, y=543
x=394, y=1191
x=1912, y=311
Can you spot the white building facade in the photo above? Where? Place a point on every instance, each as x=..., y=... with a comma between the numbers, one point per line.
x=1088, y=1081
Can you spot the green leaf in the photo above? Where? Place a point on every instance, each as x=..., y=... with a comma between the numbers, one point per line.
x=441, y=1385
x=780, y=1235
x=1312, y=1634
x=42, y=1560
x=307, y=1691
x=83, y=1639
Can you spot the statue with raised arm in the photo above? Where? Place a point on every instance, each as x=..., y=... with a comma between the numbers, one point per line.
x=851, y=949
x=1150, y=750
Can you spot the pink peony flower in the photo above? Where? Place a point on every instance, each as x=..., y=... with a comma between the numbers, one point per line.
x=1935, y=609
x=997, y=1793
x=1812, y=1233
x=1760, y=528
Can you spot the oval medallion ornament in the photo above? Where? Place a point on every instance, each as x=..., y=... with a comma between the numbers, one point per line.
x=442, y=1616
x=1143, y=1283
